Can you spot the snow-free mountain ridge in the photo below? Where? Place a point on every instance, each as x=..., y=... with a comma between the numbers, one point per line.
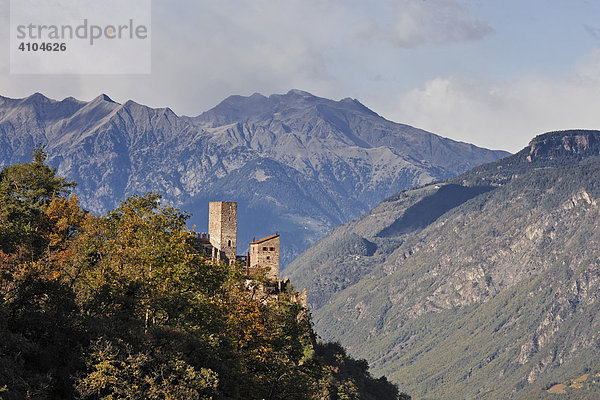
x=482, y=286
x=296, y=163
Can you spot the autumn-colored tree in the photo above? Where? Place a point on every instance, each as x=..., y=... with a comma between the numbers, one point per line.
x=24, y=191
x=146, y=290
x=40, y=335
x=122, y=306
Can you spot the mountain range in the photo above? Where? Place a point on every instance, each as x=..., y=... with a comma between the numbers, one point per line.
x=481, y=286
x=296, y=164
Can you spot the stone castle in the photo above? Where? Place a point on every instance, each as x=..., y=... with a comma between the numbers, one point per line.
x=220, y=244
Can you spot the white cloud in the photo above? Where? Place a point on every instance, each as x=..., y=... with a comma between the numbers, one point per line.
x=413, y=23
x=506, y=114
x=204, y=50
x=435, y=22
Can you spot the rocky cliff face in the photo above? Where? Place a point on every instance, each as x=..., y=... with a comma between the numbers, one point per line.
x=482, y=286
x=296, y=163
x=557, y=146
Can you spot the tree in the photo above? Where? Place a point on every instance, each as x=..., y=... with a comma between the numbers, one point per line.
x=25, y=189
x=40, y=326
x=123, y=306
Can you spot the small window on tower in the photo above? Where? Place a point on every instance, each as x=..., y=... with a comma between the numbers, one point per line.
x=268, y=257
x=272, y=248
x=229, y=243
x=264, y=249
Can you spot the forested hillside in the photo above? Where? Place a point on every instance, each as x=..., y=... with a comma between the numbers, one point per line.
x=121, y=306
x=483, y=286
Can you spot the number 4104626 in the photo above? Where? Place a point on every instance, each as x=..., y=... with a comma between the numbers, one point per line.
x=42, y=46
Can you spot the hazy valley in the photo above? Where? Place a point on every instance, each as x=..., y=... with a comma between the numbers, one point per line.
x=482, y=286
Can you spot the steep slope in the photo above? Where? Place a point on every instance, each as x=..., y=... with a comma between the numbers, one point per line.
x=479, y=287
x=296, y=163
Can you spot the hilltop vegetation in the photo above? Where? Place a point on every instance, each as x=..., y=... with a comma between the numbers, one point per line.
x=121, y=306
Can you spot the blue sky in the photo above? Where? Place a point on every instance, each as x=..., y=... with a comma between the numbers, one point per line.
x=493, y=73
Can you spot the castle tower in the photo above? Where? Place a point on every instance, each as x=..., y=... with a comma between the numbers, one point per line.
x=265, y=252
x=222, y=229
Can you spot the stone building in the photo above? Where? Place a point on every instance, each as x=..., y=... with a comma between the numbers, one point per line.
x=220, y=244
x=202, y=245
x=265, y=252
x=222, y=230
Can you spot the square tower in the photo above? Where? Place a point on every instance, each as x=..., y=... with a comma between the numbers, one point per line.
x=222, y=229
x=265, y=252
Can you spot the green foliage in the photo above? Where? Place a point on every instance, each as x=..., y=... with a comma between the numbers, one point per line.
x=24, y=190
x=348, y=378
x=121, y=306
x=118, y=373
x=34, y=182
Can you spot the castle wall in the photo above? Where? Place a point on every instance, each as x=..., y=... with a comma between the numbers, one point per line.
x=265, y=252
x=222, y=242
x=222, y=228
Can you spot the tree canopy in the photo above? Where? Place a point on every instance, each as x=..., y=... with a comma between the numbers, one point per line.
x=121, y=306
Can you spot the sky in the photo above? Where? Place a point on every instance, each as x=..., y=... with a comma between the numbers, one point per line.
x=493, y=73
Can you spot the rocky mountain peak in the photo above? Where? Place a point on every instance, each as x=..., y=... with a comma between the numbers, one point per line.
x=36, y=98
x=103, y=97
x=258, y=107
x=570, y=144
x=301, y=163
x=72, y=100
x=299, y=93
x=551, y=149
x=233, y=109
